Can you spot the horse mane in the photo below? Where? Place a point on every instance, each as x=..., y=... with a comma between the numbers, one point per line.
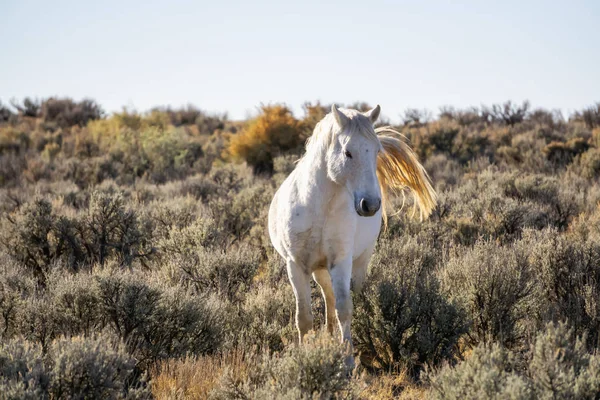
x=397, y=169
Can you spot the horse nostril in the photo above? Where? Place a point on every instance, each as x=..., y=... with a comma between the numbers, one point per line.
x=364, y=206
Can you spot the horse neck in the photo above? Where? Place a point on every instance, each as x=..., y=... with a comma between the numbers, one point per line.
x=317, y=185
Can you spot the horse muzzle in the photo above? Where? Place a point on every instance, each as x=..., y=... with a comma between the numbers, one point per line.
x=368, y=207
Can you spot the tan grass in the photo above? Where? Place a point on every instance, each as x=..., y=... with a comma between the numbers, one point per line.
x=194, y=377
x=393, y=386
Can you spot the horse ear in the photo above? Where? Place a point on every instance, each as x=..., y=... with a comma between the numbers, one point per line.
x=373, y=114
x=340, y=117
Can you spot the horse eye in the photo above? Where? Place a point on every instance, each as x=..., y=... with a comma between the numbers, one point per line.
x=348, y=154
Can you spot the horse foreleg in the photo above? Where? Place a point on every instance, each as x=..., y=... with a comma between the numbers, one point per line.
x=323, y=278
x=341, y=273
x=300, y=281
x=359, y=269
x=340, y=278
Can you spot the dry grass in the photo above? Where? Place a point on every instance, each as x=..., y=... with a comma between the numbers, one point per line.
x=395, y=386
x=194, y=377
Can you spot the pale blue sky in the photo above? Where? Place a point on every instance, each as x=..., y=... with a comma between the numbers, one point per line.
x=234, y=55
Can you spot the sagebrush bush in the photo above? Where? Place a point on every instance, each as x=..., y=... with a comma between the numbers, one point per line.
x=73, y=368
x=315, y=370
x=76, y=303
x=199, y=257
x=266, y=319
x=157, y=322
x=66, y=113
x=558, y=367
x=588, y=164
x=402, y=319
x=561, y=366
x=567, y=280
x=39, y=321
x=488, y=373
x=92, y=368
x=22, y=371
x=15, y=288
x=26, y=236
x=492, y=283
x=37, y=237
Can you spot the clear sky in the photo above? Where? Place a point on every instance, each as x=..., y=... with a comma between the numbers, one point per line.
x=234, y=55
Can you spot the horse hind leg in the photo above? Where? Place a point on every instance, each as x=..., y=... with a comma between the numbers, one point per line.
x=300, y=281
x=323, y=279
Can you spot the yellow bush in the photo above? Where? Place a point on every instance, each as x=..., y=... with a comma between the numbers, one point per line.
x=271, y=133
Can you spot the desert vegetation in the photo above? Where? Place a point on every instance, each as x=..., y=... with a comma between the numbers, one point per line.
x=135, y=260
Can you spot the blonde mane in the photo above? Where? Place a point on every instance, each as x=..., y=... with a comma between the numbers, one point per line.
x=398, y=169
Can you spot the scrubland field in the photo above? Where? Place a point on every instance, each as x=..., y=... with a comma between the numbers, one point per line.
x=135, y=260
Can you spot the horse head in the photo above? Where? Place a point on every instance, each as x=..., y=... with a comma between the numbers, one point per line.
x=352, y=157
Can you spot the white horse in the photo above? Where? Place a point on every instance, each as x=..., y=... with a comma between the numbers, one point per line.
x=325, y=218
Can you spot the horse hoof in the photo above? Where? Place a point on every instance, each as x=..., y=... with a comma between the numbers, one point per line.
x=350, y=364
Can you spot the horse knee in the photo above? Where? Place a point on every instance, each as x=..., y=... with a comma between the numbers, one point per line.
x=343, y=307
x=344, y=313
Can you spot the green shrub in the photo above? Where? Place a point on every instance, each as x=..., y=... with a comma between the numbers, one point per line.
x=402, y=319
x=37, y=238
x=14, y=288
x=184, y=324
x=508, y=113
x=561, y=154
x=6, y=113
x=66, y=112
x=156, y=322
x=22, y=371
x=492, y=283
x=241, y=212
x=567, y=280
x=76, y=303
x=184, y=241
x=559, y=367
x=27, y=236
x=317, y=369
x=589, y=164
x=128, y=304
x=29, y=108
x=590, y=116
x=92, y=368
x=110, y=229
x=488, y=373
x=267, y=319
x=228, y=272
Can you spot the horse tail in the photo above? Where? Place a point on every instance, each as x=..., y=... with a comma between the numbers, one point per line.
x=398, y=168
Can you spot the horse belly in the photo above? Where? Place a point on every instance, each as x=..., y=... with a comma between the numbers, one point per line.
x=367, y=230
